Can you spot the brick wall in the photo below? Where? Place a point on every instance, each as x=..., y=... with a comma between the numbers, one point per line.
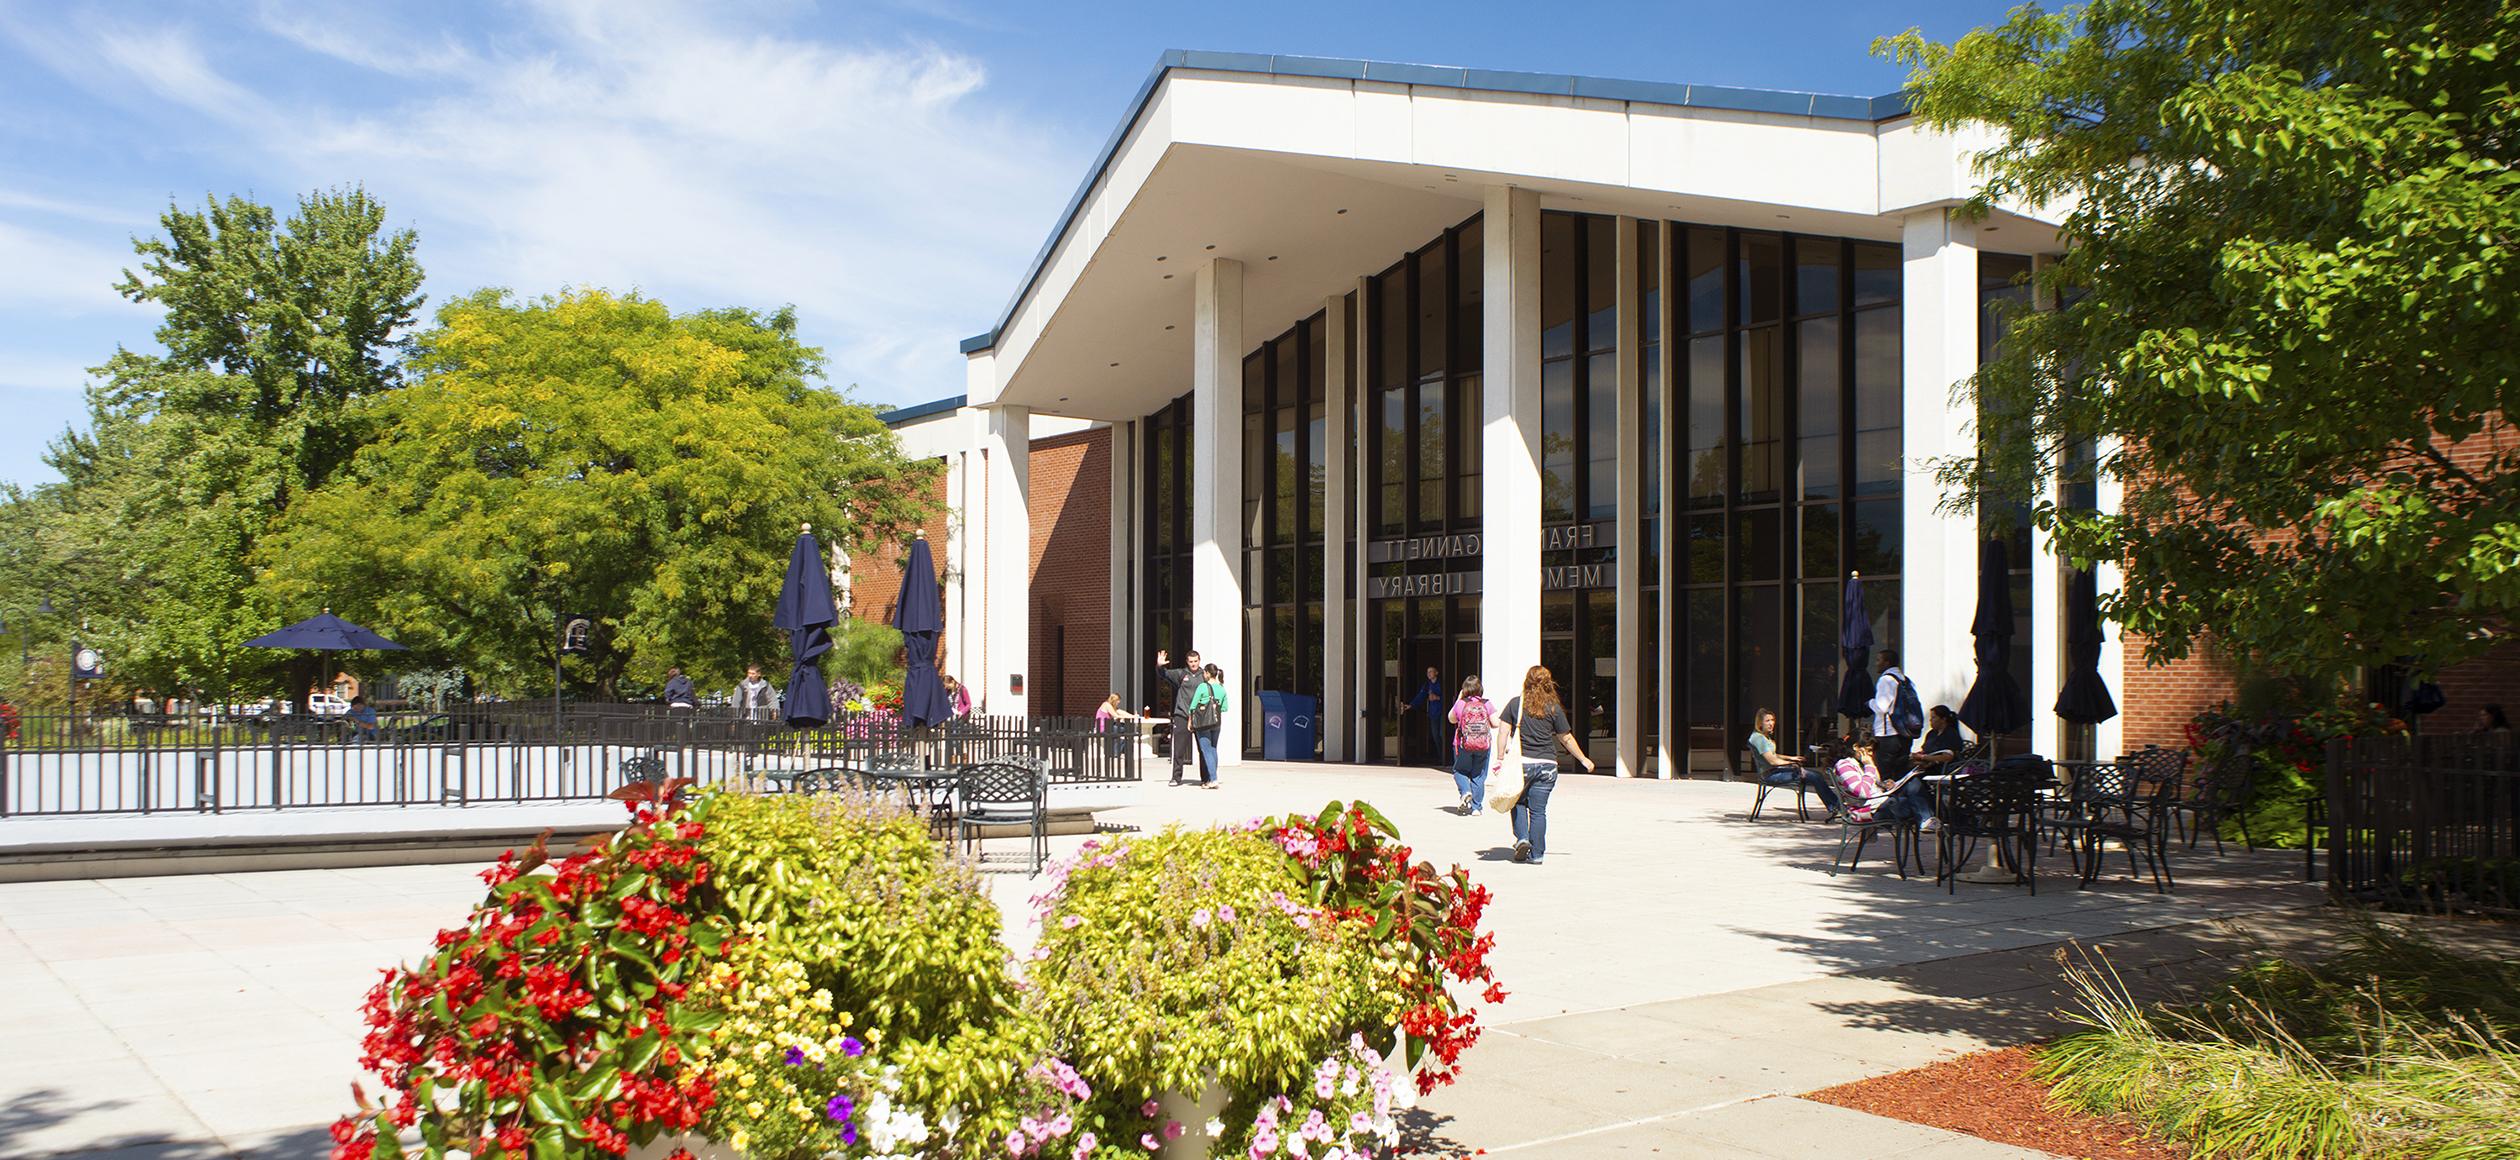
x=875, y=575
x=1071, y=573
x=2160, y=700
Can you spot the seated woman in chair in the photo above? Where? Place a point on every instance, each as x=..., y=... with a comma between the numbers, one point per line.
x=1777, y=769
x=1941, y=746
x=1906, y=800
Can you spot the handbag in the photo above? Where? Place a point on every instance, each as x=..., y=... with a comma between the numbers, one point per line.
x=1206, y=715
x=1503, y=800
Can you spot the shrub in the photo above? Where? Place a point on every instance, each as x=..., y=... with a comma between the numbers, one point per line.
x=2394, y=1047
x=1170, y=961
x=855, y=930
x=552, y=1023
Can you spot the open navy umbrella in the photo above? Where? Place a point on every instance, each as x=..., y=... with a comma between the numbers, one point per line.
x=324, y=634
x=1995, y=704
x=920, y=617
x=807, y=613
x=1855, y=642
x=2085, y=696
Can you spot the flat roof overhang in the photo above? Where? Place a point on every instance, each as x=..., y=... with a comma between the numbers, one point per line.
x=1312, y=182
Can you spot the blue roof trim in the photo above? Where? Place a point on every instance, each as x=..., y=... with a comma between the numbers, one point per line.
x=1876, y=109
x=916, y=411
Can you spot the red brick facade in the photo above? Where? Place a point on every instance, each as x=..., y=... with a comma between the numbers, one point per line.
x=1071, y=573
x=875, y=575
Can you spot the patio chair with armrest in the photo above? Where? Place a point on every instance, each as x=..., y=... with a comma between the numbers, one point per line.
x=2128, y=803
x=1005, y=793
x=1816, y=761
x=1996, y=803
x=1861, y=816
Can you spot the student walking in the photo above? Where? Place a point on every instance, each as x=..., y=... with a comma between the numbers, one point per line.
x=1207, y=719
x=1539, y=729
x=1184, y=683
x=1474, y=736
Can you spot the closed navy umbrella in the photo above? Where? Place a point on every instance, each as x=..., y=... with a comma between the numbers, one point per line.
x=1995, y=704
x=920, y=616
x=1855, y=642
x=806, y=611
x=2085, y=696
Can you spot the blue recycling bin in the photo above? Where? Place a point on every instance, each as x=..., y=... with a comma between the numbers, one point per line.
x=1290, y=724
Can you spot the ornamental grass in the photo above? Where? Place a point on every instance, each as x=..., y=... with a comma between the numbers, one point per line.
x=2393, y=1047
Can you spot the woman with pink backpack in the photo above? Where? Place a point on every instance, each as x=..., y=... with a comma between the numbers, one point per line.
x=1474, y=742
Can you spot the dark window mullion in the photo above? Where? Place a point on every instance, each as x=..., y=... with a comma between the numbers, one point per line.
x=1731, y=437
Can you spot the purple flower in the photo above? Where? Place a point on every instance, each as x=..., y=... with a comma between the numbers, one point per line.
x=796, y=1057
x=849, y=1046
x=840, y=1108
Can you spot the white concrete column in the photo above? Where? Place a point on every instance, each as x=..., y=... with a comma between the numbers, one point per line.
x=1938, y=565
x=1126, y=551
x=1006, y=534
x=1509, y=570
x=1216, y=484
x=1672, y=731
x=1338, y=715
x=1630, y=739
x=2109, y=737
x=960, y=646
x=1360, y=415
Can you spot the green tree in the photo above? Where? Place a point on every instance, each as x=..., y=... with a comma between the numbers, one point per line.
x=597, y=454
x=272, y=332
x=2289, y=287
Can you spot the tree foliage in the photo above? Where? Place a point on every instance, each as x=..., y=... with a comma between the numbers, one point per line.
x=598, y=454
x=272, y=333
x=2289, y=296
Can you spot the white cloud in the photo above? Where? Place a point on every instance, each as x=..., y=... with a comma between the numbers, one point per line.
x=38, y=372
x=652, y=147
x=42, y=272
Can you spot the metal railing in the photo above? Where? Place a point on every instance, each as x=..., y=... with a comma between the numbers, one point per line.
x=2430, y=824
x=511, y=752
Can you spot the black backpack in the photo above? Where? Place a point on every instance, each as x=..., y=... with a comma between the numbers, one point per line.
x=1907, y=714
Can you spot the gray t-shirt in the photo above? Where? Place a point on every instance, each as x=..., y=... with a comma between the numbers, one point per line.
x=1539, y=734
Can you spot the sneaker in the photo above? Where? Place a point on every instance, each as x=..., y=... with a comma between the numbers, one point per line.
x=1466, y=807
x=1522, y=851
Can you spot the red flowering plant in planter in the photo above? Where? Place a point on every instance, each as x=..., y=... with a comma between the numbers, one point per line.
x=1362, y=875
x=550, y=1024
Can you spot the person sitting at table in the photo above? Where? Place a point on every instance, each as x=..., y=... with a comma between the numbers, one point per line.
x=1942, y=744
x=1780, y=770
x=1107, y=721
x=1905, y=800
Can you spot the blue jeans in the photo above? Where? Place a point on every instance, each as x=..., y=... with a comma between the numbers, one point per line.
x=1531, y=814
x=1470, y=772
x=1913, y=803
x=1207, y=756
x=1789, y=776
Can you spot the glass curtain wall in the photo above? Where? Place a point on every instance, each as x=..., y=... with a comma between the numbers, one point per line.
x=1648, y=435
x=1164, y=587
x=1579, y=474
x=1422, y=330
x=1789, y=445
x=1285, y=485
x=2003, y=292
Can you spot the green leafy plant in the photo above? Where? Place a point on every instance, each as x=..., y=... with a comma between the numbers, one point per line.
x=2394, y=1047
x=554, y=1022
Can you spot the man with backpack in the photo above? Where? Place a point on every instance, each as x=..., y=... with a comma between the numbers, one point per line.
x=1898, y=717
x=1474, y=740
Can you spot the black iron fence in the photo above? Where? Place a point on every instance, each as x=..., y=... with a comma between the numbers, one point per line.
x=512, y=752
x=2430, y=823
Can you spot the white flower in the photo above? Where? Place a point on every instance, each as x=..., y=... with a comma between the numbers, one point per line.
x=1215, y=1127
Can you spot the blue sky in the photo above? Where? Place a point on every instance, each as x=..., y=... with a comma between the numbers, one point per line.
x=888, y=168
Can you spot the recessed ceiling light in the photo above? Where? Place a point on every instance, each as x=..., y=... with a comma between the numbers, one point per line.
x=1159, y=257
x=1342, y=211
x=1168, y=326
x=1273, y=257
x=1211, y=245
x=1168, y=277
x=1064, y=398
x=1115, y=364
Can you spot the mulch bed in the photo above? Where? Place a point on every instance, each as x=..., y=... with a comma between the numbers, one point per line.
x=1990, y=1095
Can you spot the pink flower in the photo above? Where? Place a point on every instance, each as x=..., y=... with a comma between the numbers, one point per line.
x=1199, y=917
x=1225, y=914
x=1085, y=1146
x=1172, y=1129
x=1071, y=921
x=1148, y=1141
x=1150, y=1109
x=1014, y=1143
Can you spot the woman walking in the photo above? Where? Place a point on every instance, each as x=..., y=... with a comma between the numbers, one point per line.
x=1207, y=718
x=1474, y=734
x=1539, y=729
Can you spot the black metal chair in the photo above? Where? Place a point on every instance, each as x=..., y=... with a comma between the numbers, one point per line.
x=1860, y=818
x=1783, y=777
x=1004, y=793
x=2124, y=803
x=646, y=768
x=1997, y=804
x=2221, y=794
x=893, y=759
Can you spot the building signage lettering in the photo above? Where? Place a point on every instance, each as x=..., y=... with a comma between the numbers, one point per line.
x=1568, y=537
x=1427, y=584
x=1560, y=579
x=1423, y=548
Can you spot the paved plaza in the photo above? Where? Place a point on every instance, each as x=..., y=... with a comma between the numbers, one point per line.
x=1678, y=975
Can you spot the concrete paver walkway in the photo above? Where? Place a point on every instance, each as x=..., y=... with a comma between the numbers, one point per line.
x=1678, y=973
